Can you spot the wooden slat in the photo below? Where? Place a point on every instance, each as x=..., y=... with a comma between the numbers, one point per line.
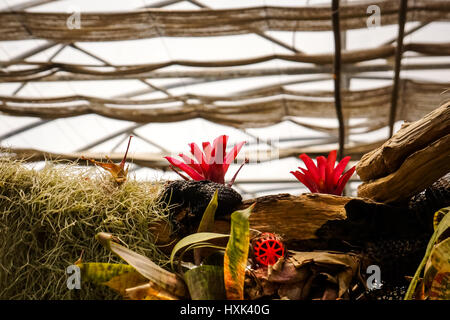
x=348, y=57
x=398, y=62
x=221, y=74
x=337, y=75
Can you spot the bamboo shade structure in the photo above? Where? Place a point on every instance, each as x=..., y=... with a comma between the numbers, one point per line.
x=257, y=107
x=148, y=23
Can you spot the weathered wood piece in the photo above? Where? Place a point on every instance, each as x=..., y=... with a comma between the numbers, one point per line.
x=293, y=217
x=417, y=172
x=313, y=219
x=409, y=139
x=296, y=217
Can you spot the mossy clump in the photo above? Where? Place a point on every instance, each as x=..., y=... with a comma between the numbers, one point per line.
x=48, y=217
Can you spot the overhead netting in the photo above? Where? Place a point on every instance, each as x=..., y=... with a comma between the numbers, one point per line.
x=270, y=88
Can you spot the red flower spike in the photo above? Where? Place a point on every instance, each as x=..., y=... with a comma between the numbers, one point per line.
x=305, y=180
x=310, y=180
x=236, y=173
x=199, y=156
x=343, y=180
x=207, y=149
x=210, y=164
x=322, y=164
x=178, y=173
x=184, y=167
x=325, y=177
x=329, y=170
x=311, y=166
x=197, y=167
x=233, y=154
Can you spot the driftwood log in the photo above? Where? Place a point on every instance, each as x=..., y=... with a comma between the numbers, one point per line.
x=320, y=221
x=306, y=222
x=411, y=137
x=415, y=157
x=296, y=217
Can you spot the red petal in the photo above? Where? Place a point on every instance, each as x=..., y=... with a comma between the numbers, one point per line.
x=331, y=160
x=343, y=181
x=311, y=167
x=191, y=163
x=207, y=149
x=232, y=154
x=322, y=164
x=305, y=180
x=182, y=166
x=198, y=154
x=339, y=169
x=219, y=149
x=310, y=179
x=216, y=174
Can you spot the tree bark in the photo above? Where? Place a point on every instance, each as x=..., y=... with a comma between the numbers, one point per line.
x=416, y=173
x=296, y=217
x=409, y=139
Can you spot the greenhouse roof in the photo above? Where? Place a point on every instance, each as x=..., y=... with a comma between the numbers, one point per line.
x=79, y=77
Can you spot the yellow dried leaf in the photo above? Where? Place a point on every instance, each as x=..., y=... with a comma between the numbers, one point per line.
x=124, y=281
x=118, y=171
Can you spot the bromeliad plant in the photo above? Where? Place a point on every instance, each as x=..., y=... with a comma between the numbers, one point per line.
x=210, y=164
x=325, y=177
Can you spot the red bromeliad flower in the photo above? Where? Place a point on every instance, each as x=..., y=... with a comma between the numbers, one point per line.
x=212, y=163
x=325, y=178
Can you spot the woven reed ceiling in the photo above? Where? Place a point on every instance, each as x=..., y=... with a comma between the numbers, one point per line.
x=286, y=76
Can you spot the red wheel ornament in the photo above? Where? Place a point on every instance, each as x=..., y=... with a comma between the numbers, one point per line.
x=267, y=249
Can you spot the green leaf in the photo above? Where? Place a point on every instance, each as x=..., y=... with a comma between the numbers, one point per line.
x=192, y=239
x=197, y=246
x=205, y=283
x=443, y=225
x=206, y=224
x=438, y=215
x=99, y=273
x=236, y=254
x=147, y=268
x=117, y=276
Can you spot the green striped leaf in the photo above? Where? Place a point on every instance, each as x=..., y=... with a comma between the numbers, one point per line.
x=147, y=268
x=236, y=254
